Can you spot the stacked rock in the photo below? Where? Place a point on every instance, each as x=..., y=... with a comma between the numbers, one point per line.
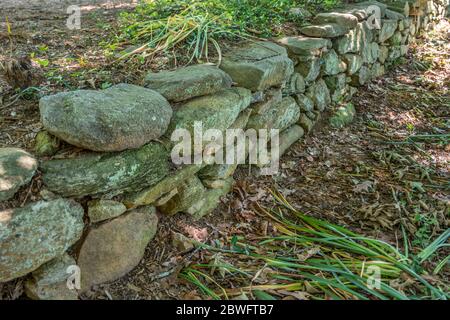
x=126, y=173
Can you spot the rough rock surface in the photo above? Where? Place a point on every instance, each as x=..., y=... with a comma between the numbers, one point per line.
x=258, y=65
x=319, y=93
x=189, y=192
x=100, y=210
x=309, y=69
x=17, y=167
x=332, y=63
x=280, y=117
x=169, y=183
x=115, y=247
x=344, y=19
x=109, y=173
x=215, y=111
x=46, y=144
x=343, y=116
x=304, y=46
x=49, y=282
x=121, y=117
x=189, y=82
x=37, y=233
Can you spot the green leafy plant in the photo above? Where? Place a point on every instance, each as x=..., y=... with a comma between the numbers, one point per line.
x=314, y=259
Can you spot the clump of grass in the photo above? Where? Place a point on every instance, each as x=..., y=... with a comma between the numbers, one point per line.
x=197, y=25
x=314, y=259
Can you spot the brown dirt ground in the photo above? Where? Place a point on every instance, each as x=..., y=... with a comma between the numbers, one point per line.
x=361, y=176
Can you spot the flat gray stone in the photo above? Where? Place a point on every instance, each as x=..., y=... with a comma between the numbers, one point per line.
x=102, y=209
x=258, y=65
x=344, y=19
x=304, y=46
x=107, y=173
x=37, y=233
x=188, y=82
x=354, y=62
x=310, y=69
x=215, y=111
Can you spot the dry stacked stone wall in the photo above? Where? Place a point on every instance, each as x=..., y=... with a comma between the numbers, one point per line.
x=125, y=175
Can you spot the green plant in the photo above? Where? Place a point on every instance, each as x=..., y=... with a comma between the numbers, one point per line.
x=314, y=259
x=197, y=25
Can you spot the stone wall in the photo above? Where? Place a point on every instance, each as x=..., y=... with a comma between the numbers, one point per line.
x=125, y=174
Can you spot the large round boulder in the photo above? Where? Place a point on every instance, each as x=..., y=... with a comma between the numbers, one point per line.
x=121, y=117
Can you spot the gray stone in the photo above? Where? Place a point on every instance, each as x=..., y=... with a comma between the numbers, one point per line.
x=215, y=111
x=210, y=200
x=149, y=195
x=310, y=69
x=280, y=117
x=393, y=15
x=287, y=138
x=189, y=82
x=223, y=171
x=404, y=49
x=332, y=63
x=110, y=173
x=353, y=61
x=345, y=19
x=377, y=70
x=116, y=247
x=337, y=85
x=396, y=39
x=354, y=40
x=17, y=167
x=37, y=233
x=305, y=103
x=360, y=14
x=258, y=65
x=306, y=123
x=388, y=28
x=395, y=52
x=101, y=209
x=330, y=30
x=370, y=52
x=272, y=96
x=49, y=282
x=305, y=46
x=121, y=117
x=46, y=144
x=383, y=54
x=319, y=93
x=361, y=77
x=366, y=4
x=189, y=192
x=296, y=84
